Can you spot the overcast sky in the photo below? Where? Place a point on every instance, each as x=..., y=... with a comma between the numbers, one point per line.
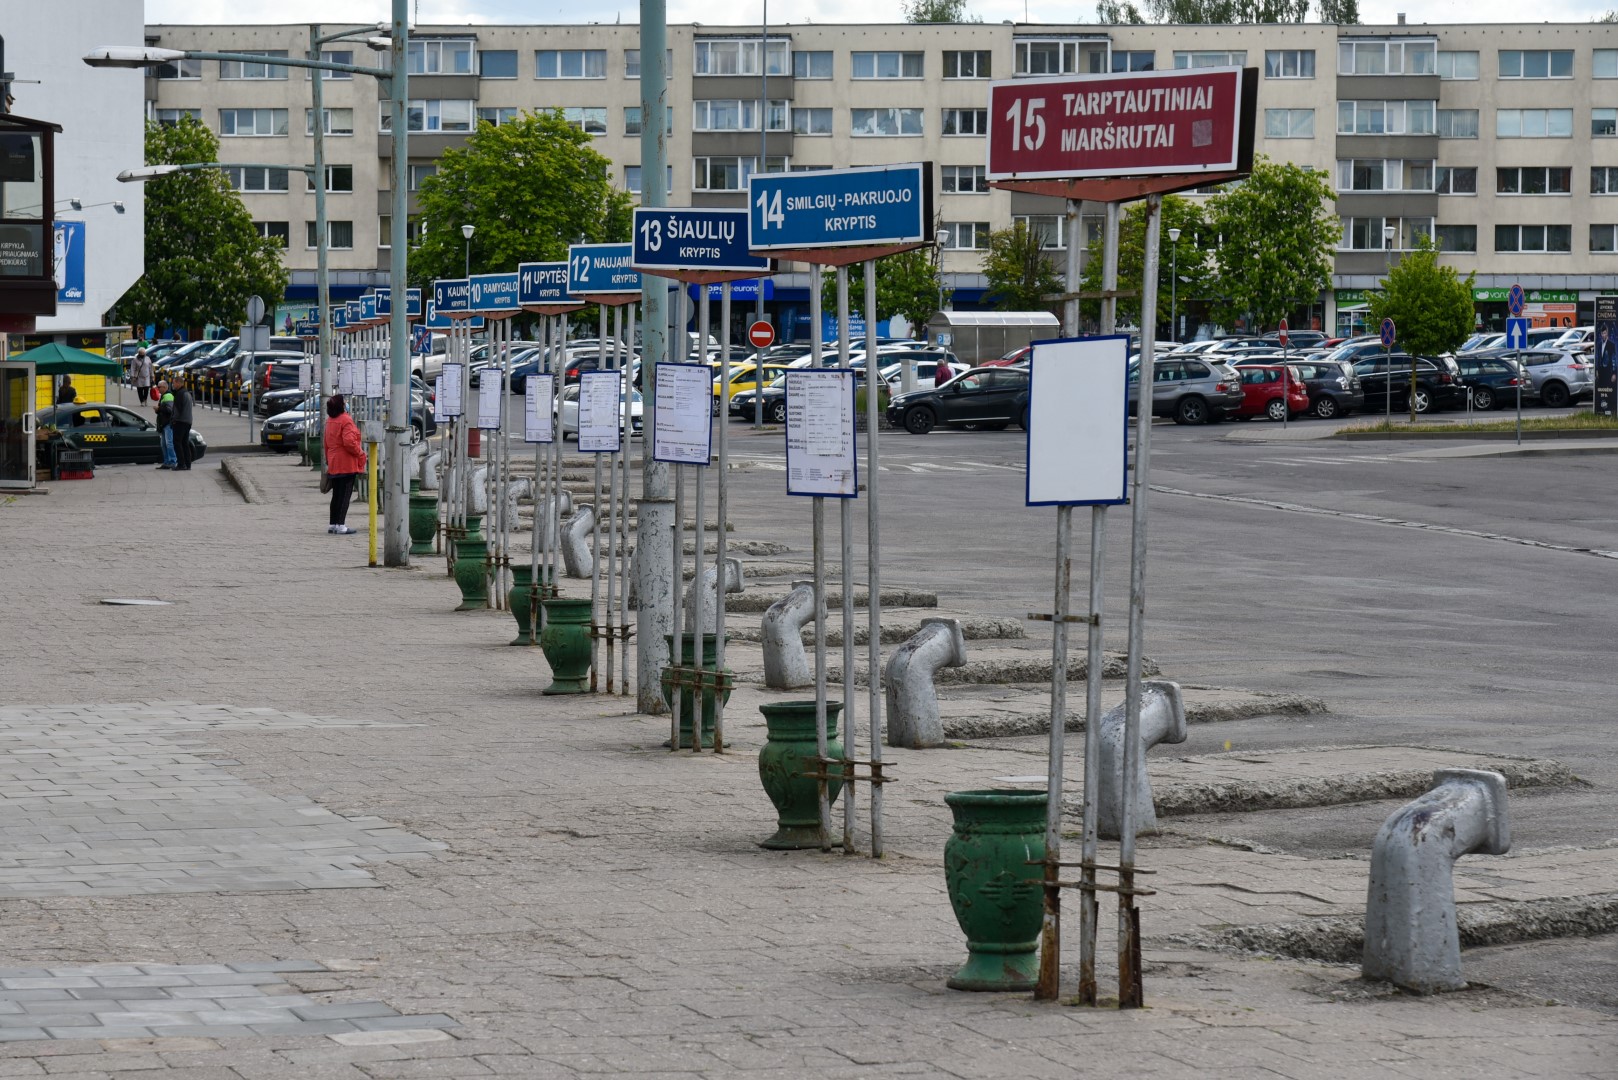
x=746, y=12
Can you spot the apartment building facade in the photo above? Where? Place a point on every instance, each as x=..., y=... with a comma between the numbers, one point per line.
x=1501, y=141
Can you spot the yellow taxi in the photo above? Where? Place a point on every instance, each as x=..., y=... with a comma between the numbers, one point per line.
x=743, y=376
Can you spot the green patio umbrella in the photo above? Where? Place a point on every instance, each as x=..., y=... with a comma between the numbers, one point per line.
x=55, y=359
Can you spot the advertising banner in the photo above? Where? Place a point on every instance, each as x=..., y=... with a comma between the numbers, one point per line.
x=68, y=257
x=1606, y=356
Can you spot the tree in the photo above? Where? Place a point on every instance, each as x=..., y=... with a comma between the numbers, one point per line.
x=1276, y=233
x=1196, y=240
x=204, y=255
x=1217, y=12
x=1341, y=12
x=530, y=187
x=937, y=11
x=1430, y=304
x=1020, y=272
x=1118, y=13
x=907, y=284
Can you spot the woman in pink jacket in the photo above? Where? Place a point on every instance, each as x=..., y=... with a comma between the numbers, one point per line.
x=345, y=460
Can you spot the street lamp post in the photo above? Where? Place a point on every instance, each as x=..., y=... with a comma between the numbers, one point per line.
x=1174, y=283
x=466, y=233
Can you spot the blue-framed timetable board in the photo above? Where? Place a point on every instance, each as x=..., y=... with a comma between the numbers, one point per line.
x=682, y=422
x=822, y=455
x=1078, y=421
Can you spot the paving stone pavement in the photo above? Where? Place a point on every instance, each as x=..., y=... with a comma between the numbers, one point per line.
x=600, y=906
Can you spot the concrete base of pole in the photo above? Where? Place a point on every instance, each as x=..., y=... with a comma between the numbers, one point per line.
x=654, y=584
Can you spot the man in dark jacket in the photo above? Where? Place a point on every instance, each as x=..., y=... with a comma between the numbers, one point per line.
x=180, y=425
x=165, y=414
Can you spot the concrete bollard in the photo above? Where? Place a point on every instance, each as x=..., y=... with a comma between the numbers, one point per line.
x=578, y=555
x=786, y=661
x=734, y=583
x=429, y=470
x=1162, y=720
x=517, y=488
x=416, y=460
x=1411, y=938
x=477, y=498
x=913, y=719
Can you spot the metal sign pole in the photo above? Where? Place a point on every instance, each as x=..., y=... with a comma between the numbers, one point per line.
x=678, y=577
x=625, y=565
x=845, y=516
x=819, y=535
x=610, y=612
x=558, y=363
x=700, y=530
x=873, y=560
x=723, y=499
x=595, y=526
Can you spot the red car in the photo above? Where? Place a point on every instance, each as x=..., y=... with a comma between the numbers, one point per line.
x=1016, y=356
x=1262, y=386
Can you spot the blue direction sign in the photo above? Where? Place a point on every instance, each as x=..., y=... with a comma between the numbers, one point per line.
x=339, y=317
x=384, y=303
x=1514, y=300
x=1388, y=333
x=887, y=204
x=597, y=269
x=355, y=314
x=695, y=240
x=452, y=295
x=368, y=309
x=437, y=320
x=1517, y=333
x=495, y=293
x=543, y=283
x=306, y=328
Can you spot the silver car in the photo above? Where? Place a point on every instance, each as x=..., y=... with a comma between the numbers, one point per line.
x=1192, y=390
x=1559, y=377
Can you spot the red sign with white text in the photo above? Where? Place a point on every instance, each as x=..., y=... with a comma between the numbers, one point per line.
x=1145, y=123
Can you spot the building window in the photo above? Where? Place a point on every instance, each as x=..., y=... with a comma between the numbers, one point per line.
x=1386, y=57
x=1134, y=61
x=967, y=65
x=1604, y=180
x=963, y=179
x=497, y=63
x=874, y=122
x=1458, y=65
x=1289, y=123
x=737, y=115
x=1603, y=239
x=275, y=230
x=1533, y=180
x=1450, y=180
x=1385, y=117
x=1552, y=239
x=966, y=122
x=632, y=63
x=1603, y=123
x=729, y=173
x=496, y=114
x=179, y=69
x=1533, y=123
x=339, y=235
x=967, y=235
x=1289, y=63
x=811, y=65
x=1536, y=63
x=1457, y=239
x=1205, y=58
x=338, y=121
x=418, y=173
x=888, y=65
x=1048, y=227
x=741, y=57
x=432, y=114
x=170, y=117
x=1604, y=63
x=1379, y=174
x=426, y=56
x=385, y=231
x=570, y=64
x=590, y=119
x=244, y=123
x=339, y=180
x=811, y=121
x=632, y=179
x=255, y=179
x=632, y=120
x=245, y=69
x=333, y=56
x=1457, y=124
x=1370, y=233
x=1046, y=57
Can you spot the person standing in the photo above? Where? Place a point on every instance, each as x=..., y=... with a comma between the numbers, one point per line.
x=165, y=424
x=345, y=460
x=180, y=426
x=65, y=394
x=142, y=374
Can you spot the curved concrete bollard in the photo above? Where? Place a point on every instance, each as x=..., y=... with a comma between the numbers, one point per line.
x=1411, y=938
x=516, y=488
x=477, y=498
x=734, y=583
x=416, y=460
x=429, y=470
x=913, y=719
x=578, y=556
x=786, y=660
x=1162, y=720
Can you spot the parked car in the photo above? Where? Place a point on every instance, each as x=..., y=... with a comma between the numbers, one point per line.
x=742, y=377
x=1494, y=381
x=294, y=410
x=183, y=356
x=1298, y=339
x=1333, y=388
x=1557, y=377
x=567, y=412
x=115, y=435
x=988, y=398
x=1272, y=390
x=1191, y=390
x=1438, y=383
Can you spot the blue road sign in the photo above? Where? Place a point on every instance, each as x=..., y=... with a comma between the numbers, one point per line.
x=368, y=309
x=1388, y=333
x=602, y=269
x=306, y=328
x=543, y=283
x=437, y=320
x=494, y=293
x=1516, y=333
x=384, y=303
x=886, y=204
x=695, y=240
x=452, y=295
x=339, y=317
x=355, y=312
x=1514, y=300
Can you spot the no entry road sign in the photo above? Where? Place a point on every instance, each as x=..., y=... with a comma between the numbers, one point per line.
x=761, y=335
x=887, y=204
x=695, y=240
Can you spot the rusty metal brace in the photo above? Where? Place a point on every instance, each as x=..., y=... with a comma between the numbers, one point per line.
x=699, y=681
x=846, y=770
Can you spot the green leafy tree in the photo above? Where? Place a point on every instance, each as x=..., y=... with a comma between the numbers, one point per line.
x=1217, y=12
x=1020, y=272
x=1431, y=305
x=1341, y=12
x=1195, y=242
x=530, y=187
x=1119, y=13
x=907, y=284
x=1276, y=232
x=937, y=11
x=204, y=256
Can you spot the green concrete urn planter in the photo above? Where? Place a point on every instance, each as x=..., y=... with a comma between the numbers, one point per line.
x=423, y=521
x=993, y=870
x=688, y=708
x=317, y=453
x=566, y=642
x=787, y=756
x=523, y=597
x=471, y=565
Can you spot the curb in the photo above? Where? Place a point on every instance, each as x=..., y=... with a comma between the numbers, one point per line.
x=1209, y=712
x=1462, y=432
x=1016, y=670
x=757, y=603
x=238, y=478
